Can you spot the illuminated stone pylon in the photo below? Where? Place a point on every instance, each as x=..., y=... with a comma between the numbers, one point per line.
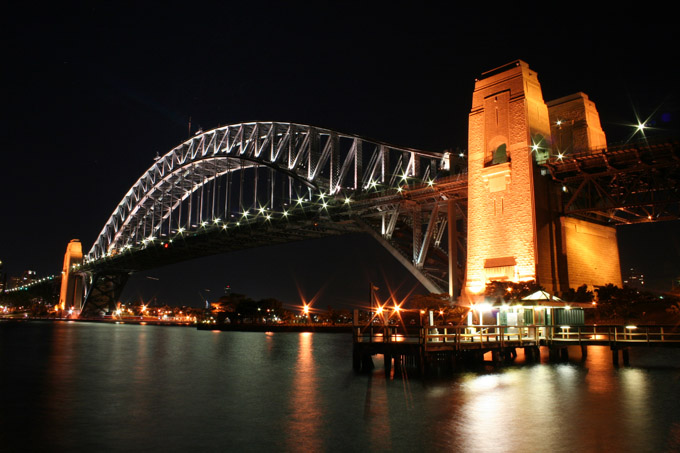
x=509, y=130
x=515, y=232
x=71, y=295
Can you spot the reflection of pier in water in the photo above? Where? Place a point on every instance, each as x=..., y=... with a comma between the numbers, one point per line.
x=433, y=345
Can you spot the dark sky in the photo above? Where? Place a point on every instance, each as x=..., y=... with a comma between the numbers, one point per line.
x=92, y=93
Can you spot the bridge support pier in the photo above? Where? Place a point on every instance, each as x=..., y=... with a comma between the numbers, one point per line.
x=103, y=293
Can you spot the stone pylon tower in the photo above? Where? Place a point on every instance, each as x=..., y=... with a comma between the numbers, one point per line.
x=509, y=132
x=71, y=295
x=515, y=231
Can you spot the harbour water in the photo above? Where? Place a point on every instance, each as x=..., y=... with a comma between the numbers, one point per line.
x=107, y=387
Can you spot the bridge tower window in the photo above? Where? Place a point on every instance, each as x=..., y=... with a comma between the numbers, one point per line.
x=498, y=155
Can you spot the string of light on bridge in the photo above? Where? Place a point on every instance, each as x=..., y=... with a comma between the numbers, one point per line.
x=247, y=217
x=323, y=203
x=32, y=284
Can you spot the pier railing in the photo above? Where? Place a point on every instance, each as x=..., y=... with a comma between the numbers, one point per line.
x=499, y=336
x=615, y=334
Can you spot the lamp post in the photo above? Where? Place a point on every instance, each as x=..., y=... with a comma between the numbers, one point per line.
x=305, y=311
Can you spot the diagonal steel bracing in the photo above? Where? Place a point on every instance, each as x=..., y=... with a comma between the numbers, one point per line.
x=638, y=182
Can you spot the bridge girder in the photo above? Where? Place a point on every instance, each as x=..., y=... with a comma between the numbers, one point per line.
x=633, y=183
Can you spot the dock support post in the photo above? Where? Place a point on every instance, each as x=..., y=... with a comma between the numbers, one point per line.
x=584, y=352
x=398, y=364
x=626, y=359
x=564, y=354
x=366, y=362
x=387, y=358
x=615, y=356
x=356, y=359
x=532, y=354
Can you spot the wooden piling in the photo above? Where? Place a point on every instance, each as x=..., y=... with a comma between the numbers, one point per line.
x=564, y=354
x=387, y=359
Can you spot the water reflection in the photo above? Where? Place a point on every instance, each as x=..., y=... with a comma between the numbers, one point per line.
x=635, y=413
x=61, y=377
x=589, y=407
x=377, y=411
x=306, y=413
x=145, y=388
x=599, y=378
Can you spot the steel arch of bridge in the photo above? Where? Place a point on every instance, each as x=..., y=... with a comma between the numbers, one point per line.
x=252, y=184
x=260, y=168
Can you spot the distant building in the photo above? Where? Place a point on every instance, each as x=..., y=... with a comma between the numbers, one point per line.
x=634, y=279
x=26, y=277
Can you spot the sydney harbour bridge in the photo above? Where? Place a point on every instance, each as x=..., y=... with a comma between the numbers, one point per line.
x=262, y=183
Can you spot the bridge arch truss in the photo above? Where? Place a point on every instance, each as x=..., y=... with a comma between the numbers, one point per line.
x=256, y=172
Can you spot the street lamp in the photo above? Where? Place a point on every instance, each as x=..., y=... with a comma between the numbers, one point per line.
x=305, y=312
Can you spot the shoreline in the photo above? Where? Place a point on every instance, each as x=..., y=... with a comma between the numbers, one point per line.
x=201, y=326
x=276, y=328
x=143, y=322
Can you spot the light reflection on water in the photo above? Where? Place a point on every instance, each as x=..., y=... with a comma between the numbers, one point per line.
x=78, y=386
x=302, y=428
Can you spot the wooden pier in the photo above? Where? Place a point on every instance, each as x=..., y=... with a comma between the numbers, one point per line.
x=430, y=346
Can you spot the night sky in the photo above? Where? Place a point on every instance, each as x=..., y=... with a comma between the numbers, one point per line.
x=91, y=94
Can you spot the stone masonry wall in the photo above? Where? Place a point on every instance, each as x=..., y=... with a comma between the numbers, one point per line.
x=593, y=253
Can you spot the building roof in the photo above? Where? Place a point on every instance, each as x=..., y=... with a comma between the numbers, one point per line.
x=541, y=295
x=545, y=299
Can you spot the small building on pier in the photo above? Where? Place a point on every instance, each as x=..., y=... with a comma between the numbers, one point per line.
x=539, y=308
